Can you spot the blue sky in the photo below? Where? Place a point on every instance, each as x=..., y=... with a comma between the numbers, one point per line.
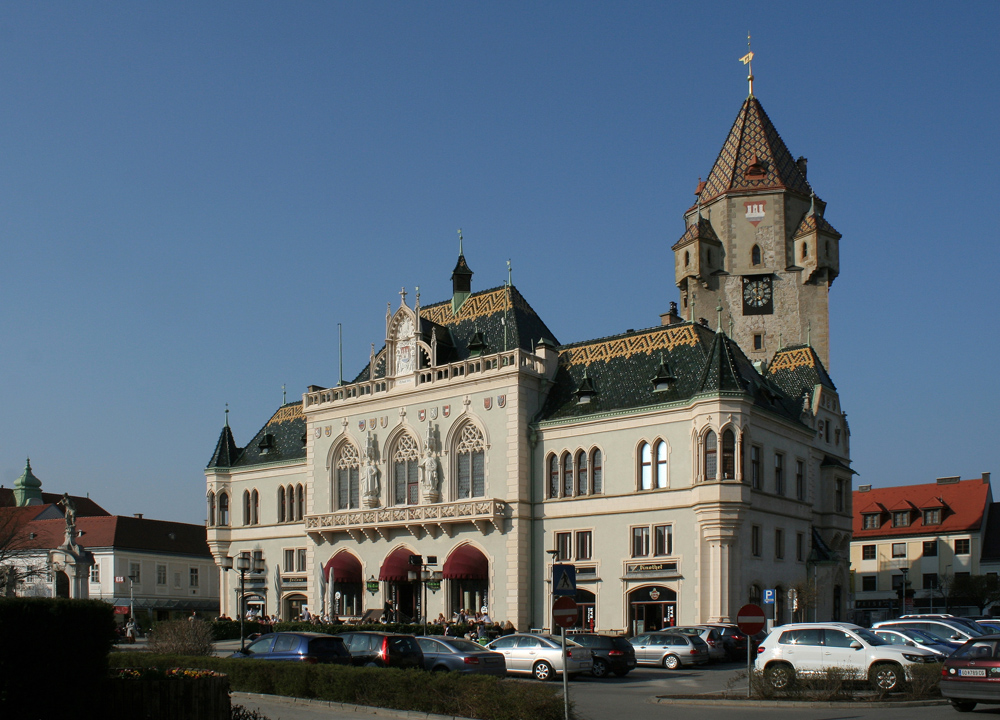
x=193, y=196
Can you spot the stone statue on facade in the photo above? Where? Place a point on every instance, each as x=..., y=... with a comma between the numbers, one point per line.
x=369, y=474
x=69, y=511
x=430, y=469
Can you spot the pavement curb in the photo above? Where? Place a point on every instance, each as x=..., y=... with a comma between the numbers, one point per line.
x=360, y=709
x=734, y=702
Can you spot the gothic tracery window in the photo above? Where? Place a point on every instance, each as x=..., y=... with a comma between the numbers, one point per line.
x=406, y=472
x=645, y=467
x=711, y=457
x=582, y=484
x=281, y=503
x=224, y=509
x=553, y=476
x=728, y=455
x=347, y=469
x=471, y=458
x=567, y=471
x=597, y=472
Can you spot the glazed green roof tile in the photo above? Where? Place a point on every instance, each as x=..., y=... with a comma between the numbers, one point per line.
x=281, y=439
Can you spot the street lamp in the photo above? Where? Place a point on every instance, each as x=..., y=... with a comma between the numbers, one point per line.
x=902, y=596
x=132, y=580
x=424, y=576
x=553, y=556
x=243, y=566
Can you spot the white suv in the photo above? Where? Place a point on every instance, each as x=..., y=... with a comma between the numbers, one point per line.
x=803, y=649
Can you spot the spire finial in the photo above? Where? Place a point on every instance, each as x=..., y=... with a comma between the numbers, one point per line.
x=284, y=395
x=418, y=295
x=746, y=61
x=402, y=294
x=718, y=309
x=460, y=251
x=809, y=329
x=227, y=414
x=730, y=326
x=508, y=273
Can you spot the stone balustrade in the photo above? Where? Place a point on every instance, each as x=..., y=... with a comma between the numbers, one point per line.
x=418, y=520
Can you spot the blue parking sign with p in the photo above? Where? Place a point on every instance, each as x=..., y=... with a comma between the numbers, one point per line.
x=564, y=580
x=769, y=597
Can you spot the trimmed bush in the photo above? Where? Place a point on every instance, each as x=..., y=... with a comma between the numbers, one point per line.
x=472, y=696
x=56, y=638
x=181, y=637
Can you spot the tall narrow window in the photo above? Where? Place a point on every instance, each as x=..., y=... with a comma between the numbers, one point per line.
x=224, y=509
x=553, y=476
x=254, y=508
x=584, y=545
x=661, y=464
x=728, y=455
x=663, y=540
x=800, y=480
x=348, y=466
x=779, y=473
x=755, y=255
x=640, y=542
x=405, y=471
x=597, y=472
x=471, y=462
x=582, y=483
x=246, y=507
x=300, y=502
x=564, y=546
x=567, y=474
x=281, y=503
x=646, y=467
x=755, y=466
x=211, y=509
x=838, y=499
x=711, y=459
x=289, y=560
x=289, y=503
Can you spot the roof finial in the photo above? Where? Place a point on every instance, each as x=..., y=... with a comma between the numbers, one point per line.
x=402, y=294
x=718, y=309
x=227, y=414
x=812, y=203
x=460, y=252
x=730, y=325
x=809, y=329
x=284, y=395
x=508, y=273
x=746, y=61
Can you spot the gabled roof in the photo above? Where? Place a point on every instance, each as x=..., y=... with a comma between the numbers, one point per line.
x=122, y=533
x=798, y=369
x=753, y=145
x=621, y=369
x=282, y=438
x=813, y=222
x=964, y=504
x=84, y=505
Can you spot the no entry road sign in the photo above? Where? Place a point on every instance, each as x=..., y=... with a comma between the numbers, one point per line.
x=564, y=612
x=750, y=619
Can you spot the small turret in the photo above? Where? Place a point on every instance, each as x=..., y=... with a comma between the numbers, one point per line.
x=461, y=279
x=27, y=488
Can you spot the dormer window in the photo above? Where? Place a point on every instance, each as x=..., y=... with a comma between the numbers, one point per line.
x=266, y=444
x=872, y=521
x=932, y=516
x=901, y=518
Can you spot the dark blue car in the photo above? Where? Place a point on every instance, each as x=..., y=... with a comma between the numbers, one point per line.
x=307, y=647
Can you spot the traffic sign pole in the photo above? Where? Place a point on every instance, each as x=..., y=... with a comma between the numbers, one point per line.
x=565, y=676
x=750, y=621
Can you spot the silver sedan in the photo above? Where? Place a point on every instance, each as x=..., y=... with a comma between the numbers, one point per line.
x=541, y=655
x=460, y=655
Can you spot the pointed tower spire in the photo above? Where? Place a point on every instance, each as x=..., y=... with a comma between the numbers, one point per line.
x=720, y=372
x=461, y=279
x=226, y=450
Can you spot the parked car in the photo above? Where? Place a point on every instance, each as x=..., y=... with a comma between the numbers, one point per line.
x=733, y=640
x=541, y=655
x=943, y=628
x=669, y=649
x=611, y=653
x=970, y=675
x=917, y=638
x=973, y=625
x=460, y=655
x=307, y=647
x=711, y=636
x=803, y=649
x=378, y=649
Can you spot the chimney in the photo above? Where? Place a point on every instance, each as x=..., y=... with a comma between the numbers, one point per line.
x=948, y=480
x=986, y=478
x=137, y=515
x=671, y=317
x=864, y=488
x=801, y=165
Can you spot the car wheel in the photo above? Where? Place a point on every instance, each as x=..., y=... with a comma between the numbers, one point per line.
x=963, y=705
x=600, y=668
x=543, y=671
x=780, y=676
x=886, y=677
x=671, y=662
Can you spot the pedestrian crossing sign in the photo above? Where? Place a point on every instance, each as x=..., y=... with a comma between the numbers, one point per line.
x=564, y=580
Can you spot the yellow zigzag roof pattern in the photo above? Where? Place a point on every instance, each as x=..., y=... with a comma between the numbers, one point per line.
x=791, y=359
x=626, y=347
x=474, y=307
x=286, y=414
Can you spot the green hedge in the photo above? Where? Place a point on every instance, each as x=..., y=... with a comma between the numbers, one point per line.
x=230, y=629
x=53, y=640
x=471, y=696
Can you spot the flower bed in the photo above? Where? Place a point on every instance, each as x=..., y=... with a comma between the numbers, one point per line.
x=157, y=694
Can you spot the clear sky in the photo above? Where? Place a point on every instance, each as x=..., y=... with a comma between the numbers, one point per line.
x=194, y=194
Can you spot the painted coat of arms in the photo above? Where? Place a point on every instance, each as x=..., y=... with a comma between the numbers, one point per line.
x=361, y=425
x=422, y=414
x=446, y=410
x=385, y=420
x=434, y=413
x=501, y=400
x=317, y=432
x=488, y=403
x=755, y=211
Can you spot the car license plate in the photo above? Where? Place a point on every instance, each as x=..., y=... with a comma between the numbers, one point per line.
x=631, y=663
x=972, y=672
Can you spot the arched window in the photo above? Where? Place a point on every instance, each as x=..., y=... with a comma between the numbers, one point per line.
x=254, y=508
x=567, y=474
x=224, y=509
x=728, y=455
x=246, y=507
x=755, y=255
x=756, y=595
x=281, y=503
x=597, y=472
x=289, y=503
x=660, y=471
x=471, y=457
x=646, y=467
x=553, y=476
x=711, y=458
x=347, y=467
x=583, y=487
x=300, y=502
x=406, y=471
x=211, y=509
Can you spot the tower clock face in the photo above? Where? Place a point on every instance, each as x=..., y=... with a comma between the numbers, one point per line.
x=758, y=297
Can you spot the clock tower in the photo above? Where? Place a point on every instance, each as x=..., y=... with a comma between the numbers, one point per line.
x=756, y=243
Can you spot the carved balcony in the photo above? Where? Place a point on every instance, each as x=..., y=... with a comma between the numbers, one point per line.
x=418, y=520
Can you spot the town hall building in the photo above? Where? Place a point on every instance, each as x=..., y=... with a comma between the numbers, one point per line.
x=683, y=469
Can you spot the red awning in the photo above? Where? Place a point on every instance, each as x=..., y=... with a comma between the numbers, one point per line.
x=397, y=565
x=346, y=568
x=466, y=563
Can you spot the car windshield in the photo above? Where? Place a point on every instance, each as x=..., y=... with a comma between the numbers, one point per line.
x=465, y=646
x=977, y=628
x=869, y=637
x=923, y=636
x=985, y=649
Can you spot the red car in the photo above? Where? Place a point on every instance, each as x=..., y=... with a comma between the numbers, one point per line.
x=972, y=674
